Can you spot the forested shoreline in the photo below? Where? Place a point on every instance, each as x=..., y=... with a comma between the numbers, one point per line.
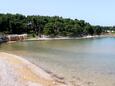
x=51, y=26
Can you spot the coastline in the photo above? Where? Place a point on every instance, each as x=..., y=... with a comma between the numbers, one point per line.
x=44, y=38
x=17, y=71
x=67, y=38
x=75, y=79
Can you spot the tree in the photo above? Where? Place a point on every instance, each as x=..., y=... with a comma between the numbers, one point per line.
x=88, y=29
x=98, y=30
x=49, y=29
x=54, y=26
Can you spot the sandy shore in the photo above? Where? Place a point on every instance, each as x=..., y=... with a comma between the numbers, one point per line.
x=16, y=71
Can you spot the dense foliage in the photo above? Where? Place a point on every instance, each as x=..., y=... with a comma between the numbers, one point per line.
x=45, y=25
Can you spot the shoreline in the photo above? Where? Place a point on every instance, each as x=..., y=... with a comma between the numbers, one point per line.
x=61, y=38
x=67, y=38
x=18, y=71
x=28, y=74
x=74, y=80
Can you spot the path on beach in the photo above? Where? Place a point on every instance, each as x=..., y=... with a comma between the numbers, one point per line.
x=16, y=71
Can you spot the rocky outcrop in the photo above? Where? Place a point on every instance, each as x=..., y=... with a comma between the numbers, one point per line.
x=16, y=71
x=3, y=39
x=16, y=37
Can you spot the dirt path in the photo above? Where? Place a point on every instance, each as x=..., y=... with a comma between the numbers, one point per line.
x=16, y=71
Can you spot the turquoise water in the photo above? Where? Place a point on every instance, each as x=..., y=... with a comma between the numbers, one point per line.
x=90, y=61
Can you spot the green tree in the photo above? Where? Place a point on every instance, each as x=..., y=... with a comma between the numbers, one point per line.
x=89, y=30
x=49, y=29
x=98, y=30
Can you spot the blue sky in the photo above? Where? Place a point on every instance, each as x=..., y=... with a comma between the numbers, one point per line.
x=96, y=12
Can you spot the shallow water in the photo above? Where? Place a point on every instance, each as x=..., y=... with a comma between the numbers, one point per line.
x=90, y=62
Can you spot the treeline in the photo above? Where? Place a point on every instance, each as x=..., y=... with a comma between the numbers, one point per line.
x=46, y=25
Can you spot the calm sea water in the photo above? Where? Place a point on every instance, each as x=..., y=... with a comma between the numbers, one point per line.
x=90, y=61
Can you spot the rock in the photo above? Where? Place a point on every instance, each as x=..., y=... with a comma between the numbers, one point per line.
x=16, y=71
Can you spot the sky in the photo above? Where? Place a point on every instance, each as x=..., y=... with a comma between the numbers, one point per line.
x=96, y=12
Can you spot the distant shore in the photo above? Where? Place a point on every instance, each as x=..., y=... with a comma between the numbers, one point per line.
x=45, y=38
x=66, y=38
